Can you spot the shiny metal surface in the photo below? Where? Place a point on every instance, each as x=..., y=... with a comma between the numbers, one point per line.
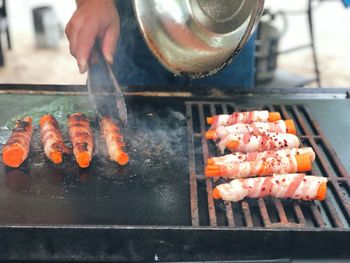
x=196, y=38
x=102, y=80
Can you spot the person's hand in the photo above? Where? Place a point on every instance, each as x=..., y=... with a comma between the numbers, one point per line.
x=93, y=19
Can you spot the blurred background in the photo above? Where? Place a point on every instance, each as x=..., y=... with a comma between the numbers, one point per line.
x=286, y=53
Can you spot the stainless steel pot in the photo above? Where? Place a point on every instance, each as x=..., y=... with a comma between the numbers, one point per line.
x=196, y=38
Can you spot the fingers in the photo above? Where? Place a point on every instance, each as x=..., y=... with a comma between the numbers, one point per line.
x=81, y=39
x=111, y=36
x=93, y=19
x=109, y=42
x=83, y=47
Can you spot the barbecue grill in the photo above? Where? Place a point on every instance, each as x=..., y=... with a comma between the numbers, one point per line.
x=160, y=206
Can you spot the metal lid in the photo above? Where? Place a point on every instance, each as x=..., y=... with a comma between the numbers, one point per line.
x=196, y=38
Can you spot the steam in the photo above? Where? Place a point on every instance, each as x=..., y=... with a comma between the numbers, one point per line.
x=158, y=133
x=156, y=142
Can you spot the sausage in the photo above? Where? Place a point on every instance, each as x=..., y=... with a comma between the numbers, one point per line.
x=243, y=117
x=262, y=167
x=256, y=143
x=114, y=141
x=295, y=186
x=254, y=128
x=81, y=138
x=51, y=138
x=253, y=156
x=16, y=149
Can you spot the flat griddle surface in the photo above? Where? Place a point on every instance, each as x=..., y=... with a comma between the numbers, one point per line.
x=151, y=190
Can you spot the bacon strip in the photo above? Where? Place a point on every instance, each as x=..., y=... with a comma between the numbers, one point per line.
x=243, y=117
x=256, y=143
x=51, y=138
x=114, y=141
x=255, y=156
x=262, y=167
x=17, y=147
x=254, y=128
x=81, y=137
x=295, y=186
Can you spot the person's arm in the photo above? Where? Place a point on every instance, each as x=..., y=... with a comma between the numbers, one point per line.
x=93, y=19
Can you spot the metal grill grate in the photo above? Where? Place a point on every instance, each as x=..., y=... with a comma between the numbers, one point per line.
x=333, y=212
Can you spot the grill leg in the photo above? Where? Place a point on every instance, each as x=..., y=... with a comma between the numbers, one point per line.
x=7, y=27
x=9, y=45
x=2, y=62
x=312, y=38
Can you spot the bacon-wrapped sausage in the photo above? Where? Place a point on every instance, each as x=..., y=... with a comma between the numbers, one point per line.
x=254, y=156
x=17, y=147
x=81, y=137
x=243, y=117
x=51, y=138
x=257, y=143
x=114, y=141
x=295, y=186
x=263, y=167
x=255, y=128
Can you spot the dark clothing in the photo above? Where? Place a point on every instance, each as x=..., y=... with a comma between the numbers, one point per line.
x=135, y=64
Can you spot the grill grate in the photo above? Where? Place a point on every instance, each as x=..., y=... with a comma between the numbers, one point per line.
x=333, y=212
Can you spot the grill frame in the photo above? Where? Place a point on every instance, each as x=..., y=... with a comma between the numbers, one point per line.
x=170, y=243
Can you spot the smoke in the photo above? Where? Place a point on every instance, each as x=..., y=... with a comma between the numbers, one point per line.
x=4, y=134
x=156, y=141
x=157, y=133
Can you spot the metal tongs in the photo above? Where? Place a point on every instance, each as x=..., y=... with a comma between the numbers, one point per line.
x=106, y=97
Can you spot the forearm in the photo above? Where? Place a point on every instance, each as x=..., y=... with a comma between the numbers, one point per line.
x=81, y=2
